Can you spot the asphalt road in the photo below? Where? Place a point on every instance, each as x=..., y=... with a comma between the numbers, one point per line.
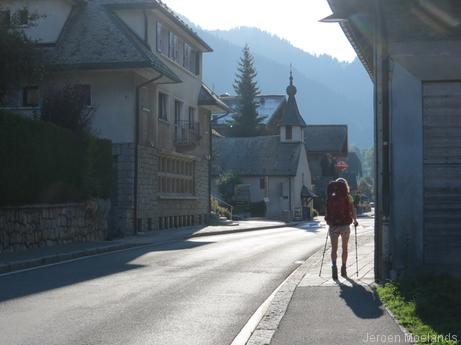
x=200, y=291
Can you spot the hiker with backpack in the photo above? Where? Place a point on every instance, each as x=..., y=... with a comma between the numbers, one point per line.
x=340, y=213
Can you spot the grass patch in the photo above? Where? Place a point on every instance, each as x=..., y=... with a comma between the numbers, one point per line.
x=429, y=307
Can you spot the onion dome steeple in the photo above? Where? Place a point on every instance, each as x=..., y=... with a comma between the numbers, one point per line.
x=292, y=123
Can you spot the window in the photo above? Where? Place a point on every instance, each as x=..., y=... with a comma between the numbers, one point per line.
x=163, y=106
x=84, y=91
x=288, y=132
x=30, y=96
x=262, y=183
x=172, y=46
x=176, y=176
x=172, y=52
x=191, y=59
x=177, y=111
x=5, y=18
x=162, y=39
x=191, y=117
x=179, y=51
x=22, y=17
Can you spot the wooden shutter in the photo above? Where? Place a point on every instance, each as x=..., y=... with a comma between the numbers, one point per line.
x=442, y=172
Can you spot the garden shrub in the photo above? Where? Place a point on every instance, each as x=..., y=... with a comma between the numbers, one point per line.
x=258, y=209
x=43, y=163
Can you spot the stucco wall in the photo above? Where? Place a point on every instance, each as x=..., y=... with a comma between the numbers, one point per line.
x=297, y=134
x=277, y=203
x=52, y=14
x=113, y=97
x=303, y=177
x=278, y=196
x=256, y=194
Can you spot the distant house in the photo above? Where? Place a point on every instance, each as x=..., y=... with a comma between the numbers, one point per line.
x=411, y=51
x=270, y=107
x=140, y=67
x=325, y=144
x=353, y=172
x=275, y=167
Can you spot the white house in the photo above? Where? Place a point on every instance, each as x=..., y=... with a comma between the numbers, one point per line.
x=140, y=66
x=275, y=167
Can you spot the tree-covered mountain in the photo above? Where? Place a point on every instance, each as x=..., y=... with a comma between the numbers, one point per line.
x=329, y=91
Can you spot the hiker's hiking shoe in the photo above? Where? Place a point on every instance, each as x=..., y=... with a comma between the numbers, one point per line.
x=343, y=271
x=334, y=272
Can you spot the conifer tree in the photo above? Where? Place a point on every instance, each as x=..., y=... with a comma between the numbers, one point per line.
x=246, y=121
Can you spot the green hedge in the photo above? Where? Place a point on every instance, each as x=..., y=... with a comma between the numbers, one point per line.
x=43, y=163
x=97, y=174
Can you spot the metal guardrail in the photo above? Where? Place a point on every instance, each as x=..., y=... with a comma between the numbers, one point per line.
x=186, y=132
x=222, y=203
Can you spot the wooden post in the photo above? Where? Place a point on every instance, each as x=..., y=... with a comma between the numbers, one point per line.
x=382, y=151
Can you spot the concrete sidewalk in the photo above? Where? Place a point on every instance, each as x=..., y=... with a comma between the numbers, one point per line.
x=13, y=261
x=326, y=312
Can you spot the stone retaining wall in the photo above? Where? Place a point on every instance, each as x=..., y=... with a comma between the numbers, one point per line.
x=47, y=225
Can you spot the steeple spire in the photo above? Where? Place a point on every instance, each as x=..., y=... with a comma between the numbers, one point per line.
x=292, y=117
x=291, y=89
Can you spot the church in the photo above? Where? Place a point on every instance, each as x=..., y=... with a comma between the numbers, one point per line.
x=273, y=169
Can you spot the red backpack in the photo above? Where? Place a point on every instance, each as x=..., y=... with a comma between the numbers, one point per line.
x=338, y=205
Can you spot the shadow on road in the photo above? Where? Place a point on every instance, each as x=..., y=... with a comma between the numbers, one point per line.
x=312, y=226
x=43, y=279
x=362, y=301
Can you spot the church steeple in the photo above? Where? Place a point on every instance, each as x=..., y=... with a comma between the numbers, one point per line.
x=291, y=124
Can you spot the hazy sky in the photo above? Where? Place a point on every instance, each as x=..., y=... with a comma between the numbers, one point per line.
x=294, y=20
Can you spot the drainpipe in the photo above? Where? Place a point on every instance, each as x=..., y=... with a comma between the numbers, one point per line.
x=382, y=151
x=136, y=152
x=146, y=31
x=289, y=195
x=210, y=152
x=210, y=143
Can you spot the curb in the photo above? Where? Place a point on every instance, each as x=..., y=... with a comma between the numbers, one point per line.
x=224, y=232
x=408, y=335
x=270, y=321
x=264, y=332
x=51, y=259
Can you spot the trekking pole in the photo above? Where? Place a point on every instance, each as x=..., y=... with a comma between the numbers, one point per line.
x=323, y=256
x=356, y=253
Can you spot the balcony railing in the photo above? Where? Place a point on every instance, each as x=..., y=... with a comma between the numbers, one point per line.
x=186, y=133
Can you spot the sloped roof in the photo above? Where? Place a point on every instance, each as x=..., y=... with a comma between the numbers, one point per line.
x=162, y=7
x=208, y=97
x=95, y=38
x=256, y=156
x=404, y=21
x=326, y=139
x=268, y=105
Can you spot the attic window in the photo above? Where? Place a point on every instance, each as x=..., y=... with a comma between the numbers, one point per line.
x=30, y=96
x=288, y=132
x=176, y=49
x=262, y=183
x=5, y=18
x=84, y=91
x=22, y=17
